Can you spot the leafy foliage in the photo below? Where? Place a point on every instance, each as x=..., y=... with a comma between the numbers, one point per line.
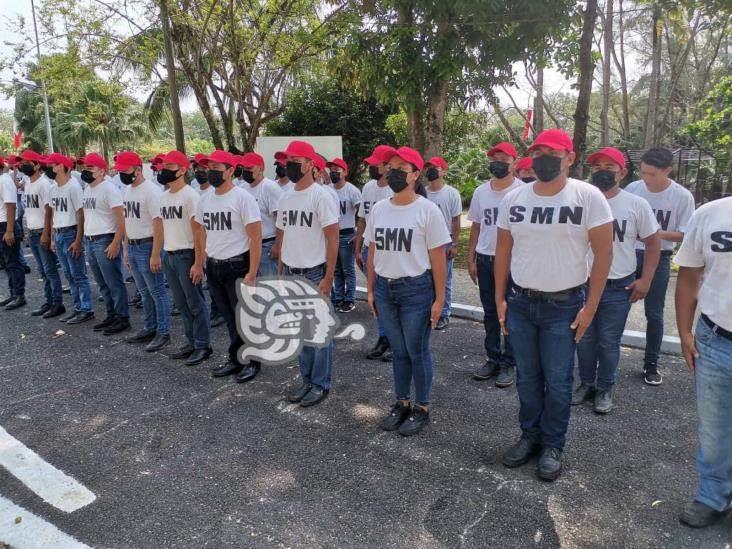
x=467, y=171
x=714, y=129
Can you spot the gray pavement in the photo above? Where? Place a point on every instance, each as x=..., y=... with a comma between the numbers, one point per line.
x=178, y=459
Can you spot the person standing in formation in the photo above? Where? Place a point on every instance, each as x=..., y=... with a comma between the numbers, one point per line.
x=483, y=215
x=307, y=234
x=545, y=231
x=232, y=232
x=376, y=189
x=673, y=206
x=598, y=352
x=282, y=180
x=448, y=199
x=349, y=200
x=523, y=170
x=11, y=235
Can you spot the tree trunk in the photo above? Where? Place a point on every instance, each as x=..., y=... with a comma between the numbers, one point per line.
x=515, y=138
x=180, y=142
x=653, y=86
x=620, y=66
x=415, y=122
x=436, y=110
x=607, y=48
x=538, y=122
x=584, y=84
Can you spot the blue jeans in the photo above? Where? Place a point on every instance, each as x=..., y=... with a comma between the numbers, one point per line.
x=448, y=285
x=11, y=260
x=108, y=274
x=487, y=288
x=48, y=268
x=316, y=363
x=267, y=266
x=544, y=363
x=654, y=303
x=714, y=406
x=365, y=259
x=344, y=280
x=188, y=297
x=151, y=286
x=598, y=352
x=404, y=306
x=19, y=213
x=75, y=271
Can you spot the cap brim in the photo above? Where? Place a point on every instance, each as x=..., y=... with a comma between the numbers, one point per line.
x=554, y=146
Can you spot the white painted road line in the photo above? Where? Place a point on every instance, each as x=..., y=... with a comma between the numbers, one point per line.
x=22, y=529
x=54, y=486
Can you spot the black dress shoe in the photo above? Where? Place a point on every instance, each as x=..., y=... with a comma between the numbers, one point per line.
x=227, y=369
x=17, y=303
x=6, y=301
x=41, y=310
x=296, y=395
x=198, y=356
x=160, y=341
x=698, y=515
x=120, y=325
x=314, y=396
x=69, y=316
x=382, y=345
x=550, y=464
x=248, y=373
x=81, y=316
x=183, y=352
x=104, y=324
x=143, y=336
x=54, y=311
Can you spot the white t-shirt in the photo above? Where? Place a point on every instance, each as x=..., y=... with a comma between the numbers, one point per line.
x=225, y=217
x=349, y=197
x=370, y=195
x=195, y=185
x=551, y=233
x=117, y=182
x=287, y=187
x=66, y=201
x=142, y=205
x=449, y=201
x=708, y=243
x=302, y=215
x=176, y=210
x=99, y=201
x=267, y=193
x=633, y=219
x=673, y=208
x=8, y=195
x=484, y=210
x=37, y=197
x=404, y=235
x=334, y=196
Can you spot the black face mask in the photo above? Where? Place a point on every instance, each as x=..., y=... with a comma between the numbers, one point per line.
x=248, y=176
x=603, y=180
x=280, y=171
x=528, y=179
x=397, y=180
x=216, y=178
x=374, y=172
x=201, y=177
x=335, y=177
x=166, y=177
x=127, y=178
x=87, y=176
x=50, y=174
x=546, y=168
x=294, y=171
x=432, y=174
x=237, y=172
x=498, y=169
x=27, y=169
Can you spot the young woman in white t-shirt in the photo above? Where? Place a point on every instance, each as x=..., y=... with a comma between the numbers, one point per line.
x=406, y=285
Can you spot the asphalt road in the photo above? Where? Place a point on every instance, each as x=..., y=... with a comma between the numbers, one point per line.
x=178, y=459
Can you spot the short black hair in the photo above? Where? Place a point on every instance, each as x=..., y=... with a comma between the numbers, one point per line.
x=658, y=157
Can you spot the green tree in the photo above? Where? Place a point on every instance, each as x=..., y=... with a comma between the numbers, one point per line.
x=714, y=127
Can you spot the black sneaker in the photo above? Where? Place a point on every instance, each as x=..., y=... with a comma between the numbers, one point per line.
x=442, y=324
x=104, y=324
x=347, y=307
x=698, y=515
x=582, y=394
x=337, y=306
x=550, y=464
x=505, y=376
x=382, y=345
x=397, y=415
x=417, y=420
x=520, y=453
x=603, y=401
x=651, y=375
x=487, y=371
x=6, y=301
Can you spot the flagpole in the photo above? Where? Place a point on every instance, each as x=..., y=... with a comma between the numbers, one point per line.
x=49, y=135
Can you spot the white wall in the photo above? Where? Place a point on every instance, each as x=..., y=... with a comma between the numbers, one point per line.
x=329, y=146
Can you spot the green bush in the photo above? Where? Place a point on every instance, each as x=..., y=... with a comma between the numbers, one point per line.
x=466, y=172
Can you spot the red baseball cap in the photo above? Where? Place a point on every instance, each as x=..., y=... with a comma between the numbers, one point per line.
x=553, y=138
x=408, y=155
x=280, y=162
x=93, y=159
x=222, y=157
x=610, y=152
x=176, y=157
x=378, y=154
x=126, y=160
x=13, y=159
x=504, y=147
x=437, y=162
x=320, y=163
x=252, y=159
x=337, y=162
x=298, y=148
x=200, y=160
x=32, y=156
x=523, y=164
x=56, y=158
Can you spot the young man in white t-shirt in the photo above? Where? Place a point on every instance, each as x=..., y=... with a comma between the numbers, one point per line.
x=67, y=228
x=11, y=235
x=448, y=199
x=483, y=215
x=523, y=170
x=267, y=193
x=349, y=200
x=104, y=229
x=673, y=206
x=307, y=228
x=545, y=231
x=183, y=257
x=598, y=352
x=376, y=189
x=705, y=280
x=232, y=228
x=282, y=180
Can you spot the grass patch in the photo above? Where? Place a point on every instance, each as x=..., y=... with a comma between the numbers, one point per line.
x=461, y=261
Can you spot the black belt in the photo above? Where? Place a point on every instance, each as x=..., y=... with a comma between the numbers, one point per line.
x=178, y=252
x=716, y=329
x=96, y=237
x=619, y=282
x=562, y=295
x=486, y=257
x=242, y=258
x=295, y=270
x=60, y=230
x=350, y=230
x=405, y=279
x=663, y=252
x=139, y=241
x=271, y=239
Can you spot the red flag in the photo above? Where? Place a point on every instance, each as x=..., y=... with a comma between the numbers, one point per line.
x=528, y=132
x=17, y=140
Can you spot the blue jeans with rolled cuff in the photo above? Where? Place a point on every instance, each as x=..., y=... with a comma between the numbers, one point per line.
x=108, y=275
x=48, y=268
x=344, y=279
x=487, y=289
x=654, y=303
x=74, y=269
x=155, y=301
x=188, y=297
